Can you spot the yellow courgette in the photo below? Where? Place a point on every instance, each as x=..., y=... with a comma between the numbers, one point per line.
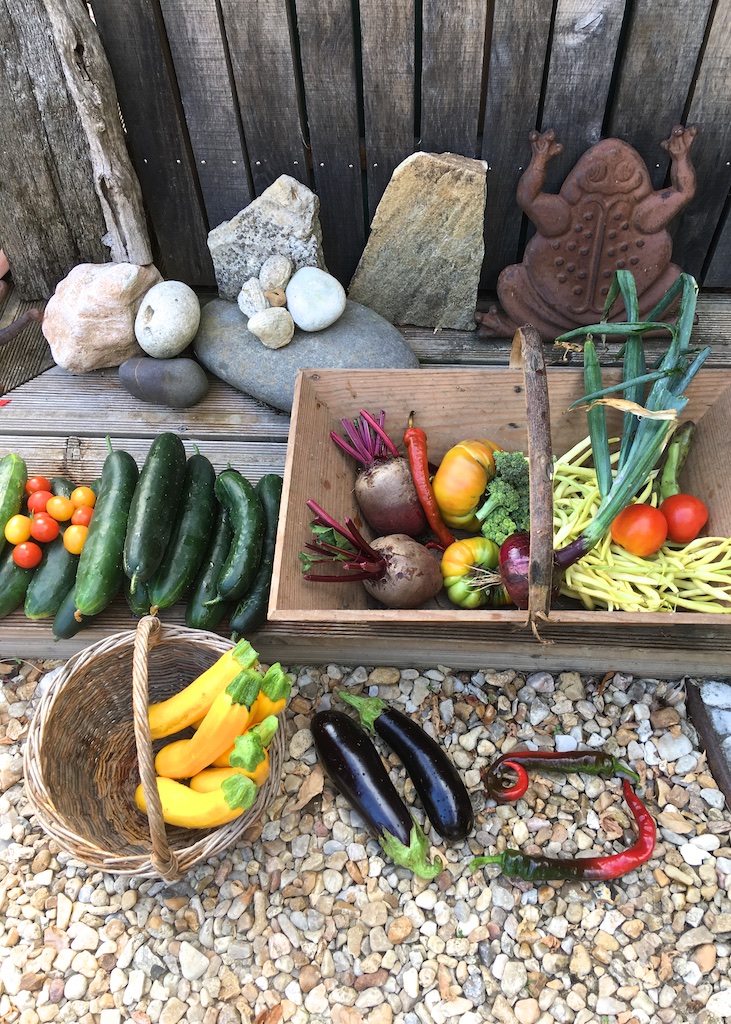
x=249, y=756
x=183, y=806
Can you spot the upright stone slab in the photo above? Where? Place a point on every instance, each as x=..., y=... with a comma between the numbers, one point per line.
x=283, y=220
x=421, y=264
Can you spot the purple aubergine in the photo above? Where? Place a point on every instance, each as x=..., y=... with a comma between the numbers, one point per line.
x=355, y=768
x=440, y=787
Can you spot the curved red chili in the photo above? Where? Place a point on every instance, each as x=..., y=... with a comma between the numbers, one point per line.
x=591, y=869
x=416, y=447
x=501, y=793
x=590, y=762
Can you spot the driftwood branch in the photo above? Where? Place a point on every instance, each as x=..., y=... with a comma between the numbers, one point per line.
x=90, y=83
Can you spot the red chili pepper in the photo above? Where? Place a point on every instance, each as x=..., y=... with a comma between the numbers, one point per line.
x=507, y=794
x=591, y=869
x=416, y=446
x=591, y=762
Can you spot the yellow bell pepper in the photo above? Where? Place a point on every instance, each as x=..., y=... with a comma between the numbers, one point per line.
x=184, y=708
x=461, y=480
x=183, y=806
x=227, y=717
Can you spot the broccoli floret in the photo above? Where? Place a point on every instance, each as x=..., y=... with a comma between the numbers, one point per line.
x=507, y=507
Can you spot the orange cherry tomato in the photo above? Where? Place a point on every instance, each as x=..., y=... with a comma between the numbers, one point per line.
x=38, y=500
x=27, y=555
x=640, y=529
x=82, y=515
x=686, y=516
x=17, y=529
x=44, y=527
x=60, y=508
x=83, y=496
x=74, y=538
x=37, y=483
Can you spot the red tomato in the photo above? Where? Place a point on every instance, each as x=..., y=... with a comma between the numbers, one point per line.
x=686, y=516
x=37, y=483
x=640, y=529
x=44, y=527
x=82, y=515
x=37, y=501
x=27, y=555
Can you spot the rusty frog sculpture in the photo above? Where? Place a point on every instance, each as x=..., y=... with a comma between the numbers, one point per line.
x=606, y=217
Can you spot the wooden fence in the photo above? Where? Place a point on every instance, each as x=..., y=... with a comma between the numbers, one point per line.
x=220, y=97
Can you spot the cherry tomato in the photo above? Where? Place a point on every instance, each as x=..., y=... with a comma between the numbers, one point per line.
x=640, y=529
x=44, y=528
x=37, y=483
x=74, y=538
x=60, y=508
x=38, y=500
x=686, y=516
x=27, y=555
x=17, y=529
x=83, y=496
x=82, y=515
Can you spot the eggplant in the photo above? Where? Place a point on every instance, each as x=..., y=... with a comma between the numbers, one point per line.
x=440, y=787
x=355, y=768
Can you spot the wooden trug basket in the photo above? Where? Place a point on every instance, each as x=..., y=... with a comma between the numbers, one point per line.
x=89, y=746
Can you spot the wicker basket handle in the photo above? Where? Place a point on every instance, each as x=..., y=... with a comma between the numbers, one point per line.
x=162, y=857
x=527, y=352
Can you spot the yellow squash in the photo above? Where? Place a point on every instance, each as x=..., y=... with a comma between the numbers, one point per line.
x=183, y=806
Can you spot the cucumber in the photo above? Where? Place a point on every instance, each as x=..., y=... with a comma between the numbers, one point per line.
x=13, y=478
x=191, y=535
x=51, y=581
x=62, y=486
x=246, y=515
x=65, y=624
x=14, y=582
x=200, y=611
x=154, y=507
x=252, y=609
x=99, y=573
x=139, y=602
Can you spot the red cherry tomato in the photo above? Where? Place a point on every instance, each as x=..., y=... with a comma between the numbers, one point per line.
x=44, y=527
x=686, y=516
x=38, y=500
x=82, y=515
x=640, y=529
x=27, y=555
x=37, y=483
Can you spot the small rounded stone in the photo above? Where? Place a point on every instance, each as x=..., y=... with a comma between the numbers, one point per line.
x=251, y=298
x=315, y=299
x=167, y=319
x=275, y=272
x=274, y=327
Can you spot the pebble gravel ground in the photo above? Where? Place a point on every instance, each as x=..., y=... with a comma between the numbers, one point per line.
x=308, y=921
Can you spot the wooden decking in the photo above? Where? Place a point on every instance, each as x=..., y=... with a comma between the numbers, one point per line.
x=59, y=422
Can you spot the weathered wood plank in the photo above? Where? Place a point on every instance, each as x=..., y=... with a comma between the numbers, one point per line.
x=453, y=36
x=517, y=54
x=718, y=274
x=259, y=37
x=326, y=36
x=658, y=62
x=388, y=56
x=202, y=71
x=132, y=35
x=709, y=110
x=583, y=49
x=26, y=355
x=50, y=218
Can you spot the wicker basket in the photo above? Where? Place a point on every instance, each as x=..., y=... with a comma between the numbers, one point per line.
x=89, y=745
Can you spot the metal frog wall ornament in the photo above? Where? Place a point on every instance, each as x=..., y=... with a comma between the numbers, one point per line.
x=605, y=217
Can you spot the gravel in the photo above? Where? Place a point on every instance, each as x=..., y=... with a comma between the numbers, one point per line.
x=311, y=922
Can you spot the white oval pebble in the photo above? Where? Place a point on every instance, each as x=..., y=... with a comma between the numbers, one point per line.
x=167, y=319
x=315, y=299
x=274, y=327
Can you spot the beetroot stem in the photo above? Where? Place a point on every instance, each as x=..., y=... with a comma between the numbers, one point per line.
x=375, y=425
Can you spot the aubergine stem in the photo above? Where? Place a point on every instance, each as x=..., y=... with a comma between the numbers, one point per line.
x=415, y=856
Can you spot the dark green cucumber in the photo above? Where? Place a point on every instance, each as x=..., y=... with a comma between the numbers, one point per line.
x=252, y=609
x=66, y=624
x=51, y=581
x=99, y=573
x=14, y=582
x=246, y=515
x=62, y=486
x=154, y=507
x=190, y=537
x=13, y=478
x=139, y=602
x=200, y=611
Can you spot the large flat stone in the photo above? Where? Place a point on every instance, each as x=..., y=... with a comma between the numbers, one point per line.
x=359, y=339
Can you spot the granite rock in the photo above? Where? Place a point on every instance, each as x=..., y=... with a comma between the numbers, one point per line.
x=282, y=221
x=422, y=262
x=360, y=338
